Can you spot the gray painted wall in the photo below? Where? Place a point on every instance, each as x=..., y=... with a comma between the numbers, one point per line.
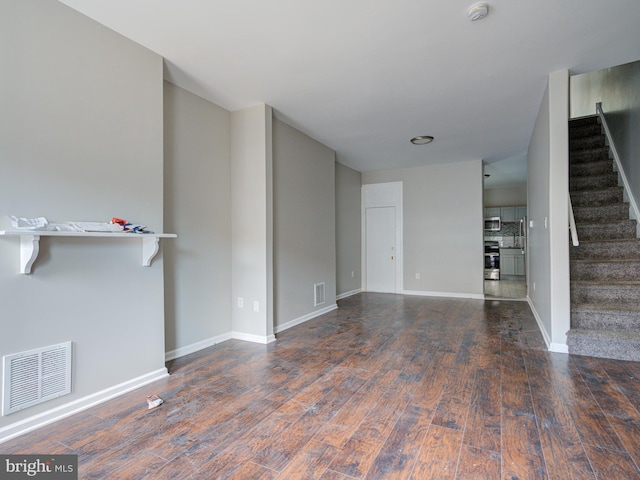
x=618, y=88
x=537, y=209
x=304, y=223
x=443, y=226
x=198, y=205
x=80, y=139
x=559, y=209
x=348, y=230
x=252, y=223
x=547, y=208
x=506, y=196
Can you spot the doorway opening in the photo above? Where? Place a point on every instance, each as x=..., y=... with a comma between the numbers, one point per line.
x=505, y=228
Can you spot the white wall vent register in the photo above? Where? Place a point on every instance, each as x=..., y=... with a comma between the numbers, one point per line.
x=319, y=294
x=35, y=376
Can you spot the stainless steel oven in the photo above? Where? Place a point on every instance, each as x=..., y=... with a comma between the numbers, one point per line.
x=491, y=261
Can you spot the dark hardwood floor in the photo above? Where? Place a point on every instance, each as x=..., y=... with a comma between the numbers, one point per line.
x=385, y=387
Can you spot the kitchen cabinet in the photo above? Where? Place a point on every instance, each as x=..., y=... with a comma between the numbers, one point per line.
x=490, y=212
x=519, y=264
x=507, y=264
x=512, y=261
x=508, y=214
x=513, y=214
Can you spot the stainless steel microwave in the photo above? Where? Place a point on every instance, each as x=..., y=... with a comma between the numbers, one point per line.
x=492, y=224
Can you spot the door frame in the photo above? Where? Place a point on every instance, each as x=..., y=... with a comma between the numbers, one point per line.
x=387, y=194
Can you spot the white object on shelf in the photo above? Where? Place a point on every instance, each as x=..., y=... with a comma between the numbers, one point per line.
x=39, y=223
x=30, y=243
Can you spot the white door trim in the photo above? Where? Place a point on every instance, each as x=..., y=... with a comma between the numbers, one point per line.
x=384, y=195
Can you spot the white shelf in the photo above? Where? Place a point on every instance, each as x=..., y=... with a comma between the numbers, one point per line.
x=30, y=243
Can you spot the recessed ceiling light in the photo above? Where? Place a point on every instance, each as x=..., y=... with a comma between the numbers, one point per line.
x=422, y=140
x=478, y=11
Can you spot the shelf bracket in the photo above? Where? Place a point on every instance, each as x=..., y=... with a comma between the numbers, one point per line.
x=150, y=247
x=29, y=248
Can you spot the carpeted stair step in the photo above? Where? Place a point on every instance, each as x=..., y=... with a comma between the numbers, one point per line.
x=591, y=155
x=587, y=143
x=628, y=249
x=619, y=345
x=594, y=198
x=603, y=213
x=592, y=129
x=602, y=317
x=598, y=167
x=620, y=229
x=583, y=121
x=605, y=270
x=593, y=182
x=605, y=267
x=606, y=295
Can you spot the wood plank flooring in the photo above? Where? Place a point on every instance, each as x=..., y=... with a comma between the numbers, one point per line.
x=386, y=387
x=501, y=289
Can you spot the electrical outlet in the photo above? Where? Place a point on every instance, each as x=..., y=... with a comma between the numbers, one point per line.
x=240, y=302
x=417, y=276
x=353, y=274
x=256, y=306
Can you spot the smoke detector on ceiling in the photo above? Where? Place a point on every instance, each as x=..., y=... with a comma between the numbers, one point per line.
x=478, y=11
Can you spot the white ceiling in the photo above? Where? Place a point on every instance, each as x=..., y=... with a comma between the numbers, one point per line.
x=364, y=76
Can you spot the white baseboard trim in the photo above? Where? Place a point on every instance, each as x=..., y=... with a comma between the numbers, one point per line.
x=559, y=348
x=545, y=334
x=209, y=342
x=423, y=293
x=194, y=347
x=248, y=337
x=504, y=299
x=58, y=413
x=551, y=346
x=348, y=294
x=305, y=318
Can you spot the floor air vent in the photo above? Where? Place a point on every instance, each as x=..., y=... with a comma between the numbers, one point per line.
x=35, y=376
x=319, y=294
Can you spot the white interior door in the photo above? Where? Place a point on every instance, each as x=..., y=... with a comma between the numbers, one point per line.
x=380, y=257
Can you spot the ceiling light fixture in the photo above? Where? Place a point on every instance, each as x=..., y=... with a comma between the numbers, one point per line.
x=478, y=11
x=422, y=140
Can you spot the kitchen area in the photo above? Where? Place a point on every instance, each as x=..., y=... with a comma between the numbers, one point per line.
x=505, y=244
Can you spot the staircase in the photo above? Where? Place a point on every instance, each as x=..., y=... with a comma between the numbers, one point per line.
x=605, y=267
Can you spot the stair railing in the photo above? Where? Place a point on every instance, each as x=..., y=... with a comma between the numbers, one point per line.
x=635, y=213
x=572, y=225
